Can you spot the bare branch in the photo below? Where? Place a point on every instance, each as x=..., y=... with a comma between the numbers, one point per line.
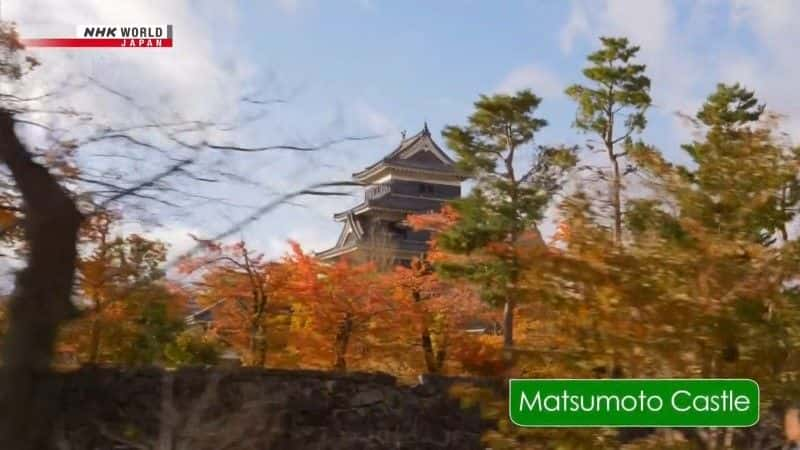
x=310, y=190
x=299, y=148
x=149, y=182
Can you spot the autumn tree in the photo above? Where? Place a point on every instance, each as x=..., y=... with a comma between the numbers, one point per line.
x=242, y=291
x=46, y=213
x=41, y=299
x=705, y=285
x=138, y=329
x=191, y=347
x=714, y=230
x=739, y=194
x=499, y=218
x=121, y=289
x=702, y=270
x=418, y=281
x=613, y=107
x=731, y=207
x=335, y=305
x=438, y=311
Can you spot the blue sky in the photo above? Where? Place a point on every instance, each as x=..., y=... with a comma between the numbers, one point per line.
x=363, y=67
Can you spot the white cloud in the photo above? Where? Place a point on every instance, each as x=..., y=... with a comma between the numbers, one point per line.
x=178, y=236
x=647, y=23
x=680, y=68
x=375, y=121
x=198, y=79
x=193, y=76
x=773, y=68
x=767, y=19
x=310, y=239
x=191, y=81
x=737, y=67
x=541, y=81
x=665, y=47
x=288, y=6
x=577, y=25
x=293, y=6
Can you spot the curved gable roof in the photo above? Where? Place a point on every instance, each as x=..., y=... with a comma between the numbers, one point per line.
x=417, y=152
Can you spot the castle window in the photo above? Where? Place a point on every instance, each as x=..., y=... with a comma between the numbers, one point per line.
x=425, y=188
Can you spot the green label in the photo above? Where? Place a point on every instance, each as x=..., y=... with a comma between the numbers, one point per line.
x=634, y=403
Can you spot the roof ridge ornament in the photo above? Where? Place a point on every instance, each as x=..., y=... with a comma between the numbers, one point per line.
x=425, y=129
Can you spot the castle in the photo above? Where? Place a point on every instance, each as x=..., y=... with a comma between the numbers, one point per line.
x=416, y=177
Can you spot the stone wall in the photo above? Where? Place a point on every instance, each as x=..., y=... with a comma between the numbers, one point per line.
x=201, y=409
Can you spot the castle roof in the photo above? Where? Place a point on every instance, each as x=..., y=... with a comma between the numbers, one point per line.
x=418, y=153
x=393, y=202
x=416, y=177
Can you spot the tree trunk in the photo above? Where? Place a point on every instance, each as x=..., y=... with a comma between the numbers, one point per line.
x=40, y=301
x=508, y=328
x=340, y=345
x=94, y=341
x=431, y=360
x=441, y=354
x=258, y=347
x=616, y=197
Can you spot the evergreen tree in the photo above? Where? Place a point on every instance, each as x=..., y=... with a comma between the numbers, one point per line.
x=498, y=220
x=706, y=251
x=613, y=106
x=730, y=106
x=700, y=290
x=744, y=181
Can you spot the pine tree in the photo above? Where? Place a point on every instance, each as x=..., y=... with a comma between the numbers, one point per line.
x=730, y=106
x=707, y=253
x=744, y=181
x=499, y=218
x=613, y=106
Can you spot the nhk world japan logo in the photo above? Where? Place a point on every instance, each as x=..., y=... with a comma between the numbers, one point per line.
x=97, y=36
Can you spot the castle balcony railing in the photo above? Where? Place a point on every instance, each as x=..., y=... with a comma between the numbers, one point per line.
x=378, y=191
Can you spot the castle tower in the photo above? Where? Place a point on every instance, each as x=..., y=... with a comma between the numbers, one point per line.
x=416, y=177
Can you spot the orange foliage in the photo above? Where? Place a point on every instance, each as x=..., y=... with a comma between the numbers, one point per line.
x=242, y=290
x=435, y=221
x=437, y=314
x=338, y=307
x=483, y=355
x=119, y=280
